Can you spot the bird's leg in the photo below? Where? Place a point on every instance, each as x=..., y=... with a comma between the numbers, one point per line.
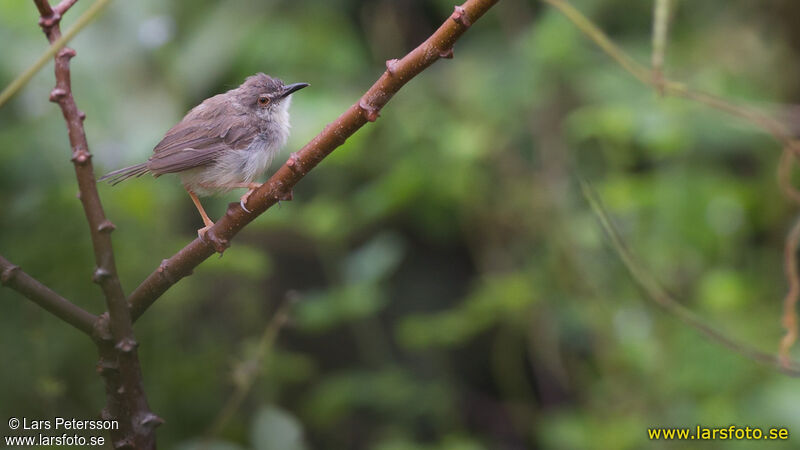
x=208, y=223
x=249, y=186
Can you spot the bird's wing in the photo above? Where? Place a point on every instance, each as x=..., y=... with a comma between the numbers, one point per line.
x=201, y=137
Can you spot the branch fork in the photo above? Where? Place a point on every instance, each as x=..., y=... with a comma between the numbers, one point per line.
x=113, y=331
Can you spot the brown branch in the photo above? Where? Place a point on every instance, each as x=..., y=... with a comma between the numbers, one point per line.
x=119, y=363
x=45, y=10
x=50, y=16
x=14, y=278
x=64, y=5
x=279, y=186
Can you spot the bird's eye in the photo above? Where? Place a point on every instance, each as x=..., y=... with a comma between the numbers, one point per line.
x=263, y=100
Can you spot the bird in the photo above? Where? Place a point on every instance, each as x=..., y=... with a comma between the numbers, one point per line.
x=224, y=143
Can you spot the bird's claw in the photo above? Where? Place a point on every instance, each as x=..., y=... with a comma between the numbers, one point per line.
x=241, y=203
x=246, y=196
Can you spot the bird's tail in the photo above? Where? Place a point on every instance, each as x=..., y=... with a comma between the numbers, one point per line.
x=121, y=175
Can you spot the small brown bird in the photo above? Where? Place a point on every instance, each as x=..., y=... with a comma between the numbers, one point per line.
x=224, y=143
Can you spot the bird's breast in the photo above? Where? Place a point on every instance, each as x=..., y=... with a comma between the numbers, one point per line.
x=234, y=167
x=249, y=163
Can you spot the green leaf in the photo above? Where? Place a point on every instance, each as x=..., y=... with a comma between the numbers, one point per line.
x=276, y=429
x=374, y=260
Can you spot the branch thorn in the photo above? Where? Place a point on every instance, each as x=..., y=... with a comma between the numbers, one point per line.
x=151, y=420
x=106, y=226
x=220, y=245
x=102, y=331
x=370, y=112
x=67, y=52
x=390, y=66
x=81, y=157
x=286, y=196
x=57, y=94
x=460, y=16
x=49, y=21
x=126, y=345
x=100, y=275
x=163, y=269
x=294, y=163
x=8, y=274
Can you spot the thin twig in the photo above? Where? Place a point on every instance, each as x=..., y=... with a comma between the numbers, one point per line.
x=279, y=186
x=641, y=73
x=119, y=362
x=246, y=372
x=14, y=278
x=602, y=40
x=660, y=22
x=791, y=146
x=47, y=13
x=659, y=296
x=54, y=13
x=785, y=175
x=64, y=5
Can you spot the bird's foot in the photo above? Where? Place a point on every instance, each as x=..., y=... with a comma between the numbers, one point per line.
x=207, y=234
x=201, y=233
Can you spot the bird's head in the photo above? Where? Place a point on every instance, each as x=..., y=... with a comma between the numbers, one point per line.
x=266, y=96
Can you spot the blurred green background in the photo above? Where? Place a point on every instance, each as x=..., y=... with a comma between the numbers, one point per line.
x=454, y=290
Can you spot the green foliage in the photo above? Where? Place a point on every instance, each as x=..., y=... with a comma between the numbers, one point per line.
x=500, y=298
x=274, y=429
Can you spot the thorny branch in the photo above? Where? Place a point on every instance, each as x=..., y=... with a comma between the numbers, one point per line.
x=119, y=363
x=279, y=186
x=13, y=277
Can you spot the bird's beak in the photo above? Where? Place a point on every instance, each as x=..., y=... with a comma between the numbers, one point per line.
x=290, y=88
